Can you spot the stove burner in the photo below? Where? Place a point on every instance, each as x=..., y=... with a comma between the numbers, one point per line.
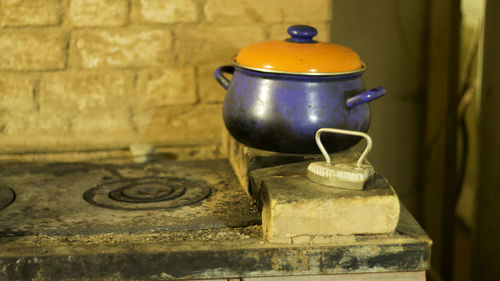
x=147, y=193
x=7, y=196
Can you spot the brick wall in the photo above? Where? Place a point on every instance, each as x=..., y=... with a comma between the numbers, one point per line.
x=79, y=75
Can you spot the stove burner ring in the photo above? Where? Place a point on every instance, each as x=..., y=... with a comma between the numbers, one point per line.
x=148, y=193
x=7, y=196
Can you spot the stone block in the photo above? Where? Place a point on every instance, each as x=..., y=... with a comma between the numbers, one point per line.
x=106, y=122
x=293, y=206
x=27, y=128
x=210, y=90
x=32, y=49
x=203, y=45
x=17, y=93
x=120, y=48
x=30, y=12
x=166, y=86
x=180, y=124
x=98, y=12
x=69, y=103
x=267, y=11
x=238, y=158
x=85, y=91
x=278, y=30
x=164, y=11
x=245, y=159
x=17, y=102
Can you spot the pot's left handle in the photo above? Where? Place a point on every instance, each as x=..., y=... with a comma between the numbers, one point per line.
x=219, y=76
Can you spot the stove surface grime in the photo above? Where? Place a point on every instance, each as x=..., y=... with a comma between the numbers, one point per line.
x=169, y=221
x=6, y=196
x=91, y=199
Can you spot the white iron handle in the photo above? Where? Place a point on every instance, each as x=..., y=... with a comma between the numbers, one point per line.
x=344, y=132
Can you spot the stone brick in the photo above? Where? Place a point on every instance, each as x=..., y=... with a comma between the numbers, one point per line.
x=21, y=125
x=268, y=11
x=293, y=206
x=210, y=90
x=120, y=48
x=205, y=44
x=32, y=50
x=98, y=12
x=171, y=86
x=278, y=31
x=76, y=92
x=104, y=122
x=17, y=93
x=245, y=160
x=180, y=124
x=30, y=12
x=164, y=11
x=17, y=102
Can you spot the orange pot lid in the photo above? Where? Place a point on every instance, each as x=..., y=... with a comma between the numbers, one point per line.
x=299, y=54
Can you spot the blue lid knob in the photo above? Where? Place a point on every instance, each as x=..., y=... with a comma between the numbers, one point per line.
x=302, y=33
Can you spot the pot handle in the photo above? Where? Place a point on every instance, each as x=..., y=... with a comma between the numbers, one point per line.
x=365, y=96
x=223, y=81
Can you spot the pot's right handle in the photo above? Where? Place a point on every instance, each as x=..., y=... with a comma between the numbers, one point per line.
x=219, y=76
x=365, y=96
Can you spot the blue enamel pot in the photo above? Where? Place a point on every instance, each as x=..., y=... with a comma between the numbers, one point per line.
x=281, y=112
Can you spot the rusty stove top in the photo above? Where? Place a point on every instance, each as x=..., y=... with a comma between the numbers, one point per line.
x=165, y=220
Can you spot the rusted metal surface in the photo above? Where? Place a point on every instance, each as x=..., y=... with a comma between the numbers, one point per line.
x=214, y=253
x=50, y=199
x=51, y=233
x=149, y=193
x=6, y=196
